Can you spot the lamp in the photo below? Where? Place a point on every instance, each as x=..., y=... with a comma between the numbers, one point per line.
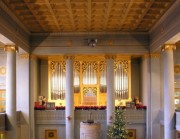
x=92, y=42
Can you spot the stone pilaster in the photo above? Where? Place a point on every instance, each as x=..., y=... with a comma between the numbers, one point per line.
x=154, y=103
x=145, y=75
x=11, y=92
x=33, y=91
x=169, y=106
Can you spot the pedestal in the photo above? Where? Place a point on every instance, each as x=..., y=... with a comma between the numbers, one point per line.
x=90, y=131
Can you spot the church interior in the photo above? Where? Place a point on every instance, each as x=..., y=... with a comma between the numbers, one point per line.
x=67, y=66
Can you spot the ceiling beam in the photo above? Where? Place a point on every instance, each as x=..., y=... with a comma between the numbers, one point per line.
x=70, y=13
x=89, y=15
x=34, y=14
x=108, y=14
x=143, y=14
x=53, y=14
x=126, y=13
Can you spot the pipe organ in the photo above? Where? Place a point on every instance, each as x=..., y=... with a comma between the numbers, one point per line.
x=89, y=79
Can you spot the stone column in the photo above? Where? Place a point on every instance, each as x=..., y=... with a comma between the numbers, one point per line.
x=34, y=88
x=145, y=74
x=169, y=106
x=11, y=92
x=69, y=97
x=110, y=88
x=154, y=100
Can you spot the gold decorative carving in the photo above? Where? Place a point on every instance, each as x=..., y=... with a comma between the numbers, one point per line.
x=2, y=70
x=10, y=48
x=92, y=89
x=168, y=47
x=77, y=66
x=124, y=64
x=86, y=64
x=177, y=69
x=102, y=65
x=53, y=64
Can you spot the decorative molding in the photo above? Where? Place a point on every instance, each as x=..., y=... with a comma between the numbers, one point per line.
x=165, y=28
x=145, y=56
x=110, y=57
x=12, y=30
x=11, y=14
x=155, y=55
x=24, y=56
x=168, y=47
x=10, y=48
x=70, y=57
x=60, y=34
x=166, y=15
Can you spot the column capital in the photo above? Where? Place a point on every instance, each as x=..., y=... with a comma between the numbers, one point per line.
x=69, y=57
x=168, y=47
x=145, y=56
x=27, y=56
x=110, y=56
x=10, y=48
x=154, y=55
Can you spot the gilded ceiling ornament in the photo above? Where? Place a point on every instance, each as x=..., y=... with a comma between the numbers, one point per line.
x=167, y=47
x=2, y=70
x=177, y=69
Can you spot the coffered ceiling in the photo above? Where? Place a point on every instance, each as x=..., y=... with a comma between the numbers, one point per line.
x=88, y=15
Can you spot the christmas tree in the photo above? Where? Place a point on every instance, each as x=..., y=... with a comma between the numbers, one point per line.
x=118, y=129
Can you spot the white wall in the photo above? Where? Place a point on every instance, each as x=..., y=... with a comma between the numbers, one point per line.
x=135, y=78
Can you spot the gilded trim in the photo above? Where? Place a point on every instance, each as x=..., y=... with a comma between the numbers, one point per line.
x=168, y=47
x=10, y=48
